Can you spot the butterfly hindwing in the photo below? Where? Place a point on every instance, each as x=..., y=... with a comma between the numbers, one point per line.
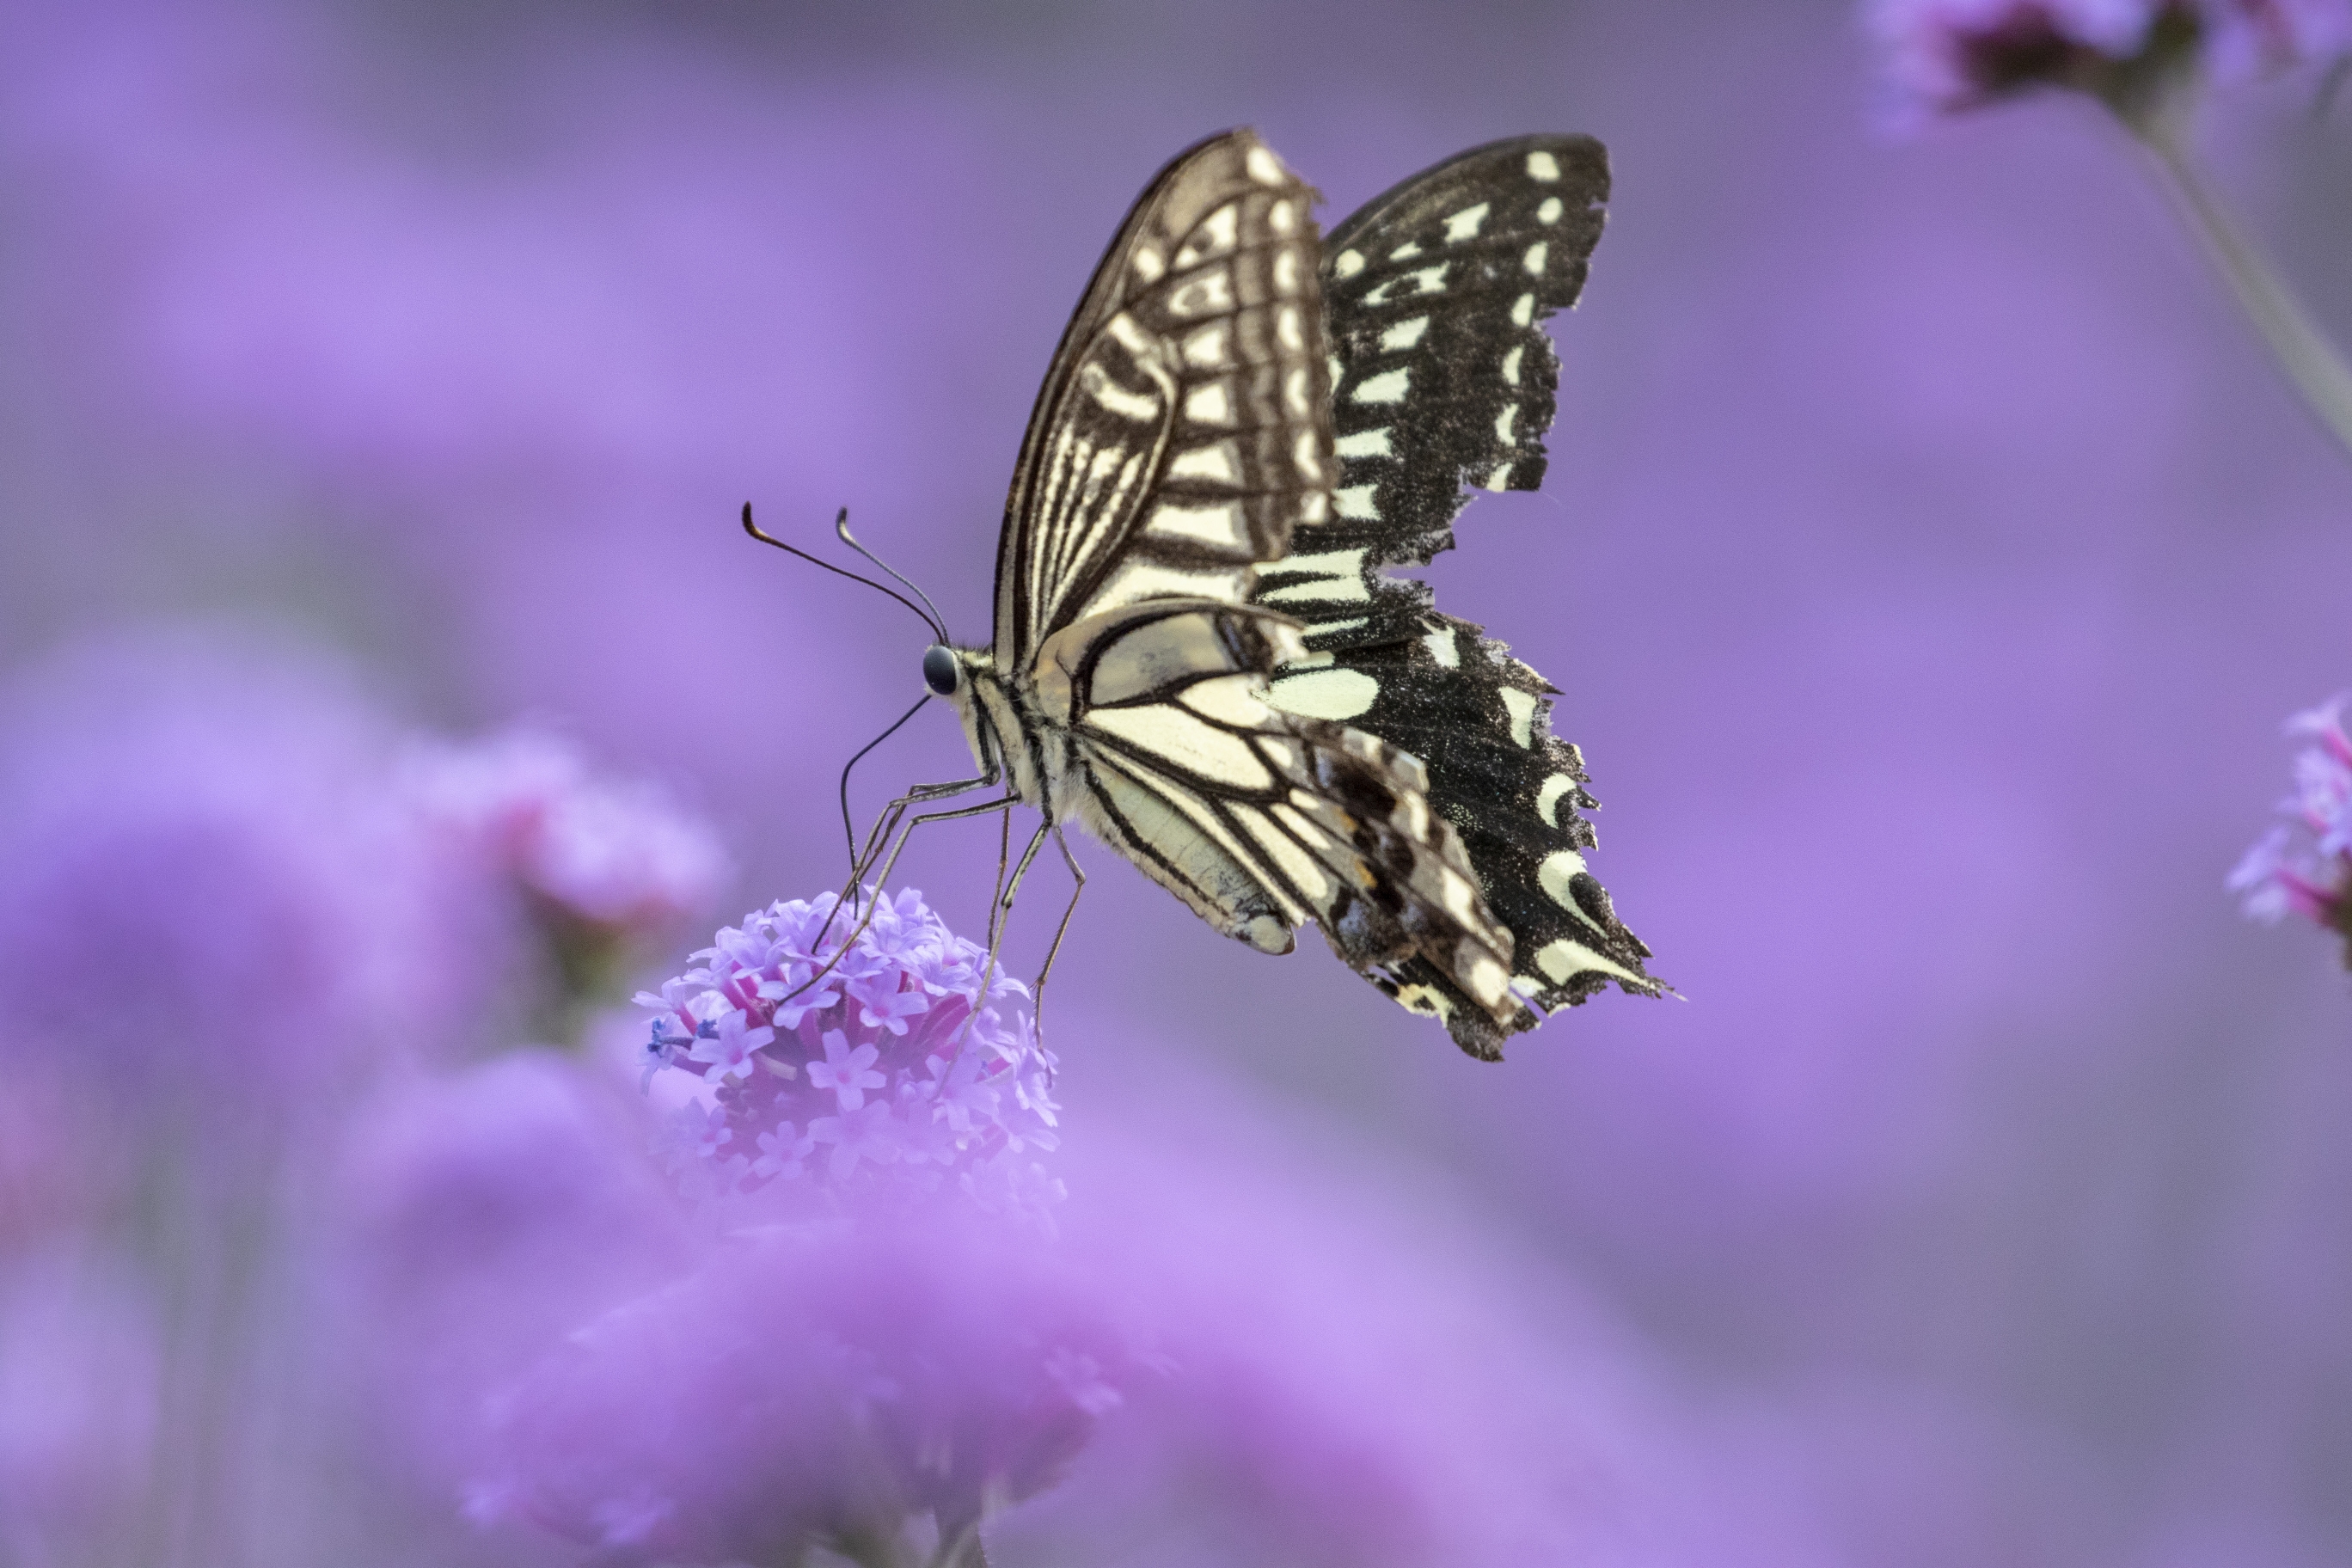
x=1434, y=296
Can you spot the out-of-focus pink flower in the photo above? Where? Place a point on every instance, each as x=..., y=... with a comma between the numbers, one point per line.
x=880, y=1062
x=1943, y=56
x=610, y=852
x=2304, y=866
x=824, y=1380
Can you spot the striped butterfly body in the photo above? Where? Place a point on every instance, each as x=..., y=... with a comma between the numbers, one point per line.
x=1197, y=651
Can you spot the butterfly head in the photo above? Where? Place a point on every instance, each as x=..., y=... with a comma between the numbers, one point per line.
x=942, y=672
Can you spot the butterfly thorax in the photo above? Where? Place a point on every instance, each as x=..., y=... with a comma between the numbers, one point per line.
x=1001, y=724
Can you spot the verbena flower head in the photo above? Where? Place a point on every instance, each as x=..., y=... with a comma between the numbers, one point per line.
x=847, y=1048
x=2304, y=866
x=1947, y=56
x=826, y=1380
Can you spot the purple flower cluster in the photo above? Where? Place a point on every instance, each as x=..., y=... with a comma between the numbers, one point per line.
x=839, y=1048
x=1944, y=56
x=2304, y=866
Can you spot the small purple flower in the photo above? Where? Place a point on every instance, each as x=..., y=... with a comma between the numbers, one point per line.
x=782, y=1151
x=849, y=1074
x=2304, y=866
x=727, y=1050
x=869, y=1131
x=857, y=1026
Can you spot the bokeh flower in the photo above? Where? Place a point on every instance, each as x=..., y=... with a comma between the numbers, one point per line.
x=1946, y=56
x=213, y=906
x=838, y=1048
x=849, y=1381
x=605, y=868
x=2304, y=866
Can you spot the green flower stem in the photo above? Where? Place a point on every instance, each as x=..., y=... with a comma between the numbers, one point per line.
x=2310, y=362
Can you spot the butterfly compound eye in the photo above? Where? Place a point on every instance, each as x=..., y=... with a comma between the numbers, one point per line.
x=940, y=671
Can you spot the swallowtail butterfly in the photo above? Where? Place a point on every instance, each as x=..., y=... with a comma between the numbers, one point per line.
x=1198, y=651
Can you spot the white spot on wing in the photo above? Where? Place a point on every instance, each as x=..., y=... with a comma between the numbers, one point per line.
x=1286, y=272
x=1389, y=386
x=1209, y=404
x=1499, y=480
x=1522, y=709
x=1364, y=444
x=1504, y=421
x=1511, y=364
x=1557, y=876
x=1465, y=223
x=1206, y=347
x=1543, y=166
x=1427, y=280
x=1294, y=393
x=1537, y=254
x=1549, y=211
x=1148, y=264
x=1548, y=798
x=1213, y=464
x=1439, y=641
x=1211, y=293
x=1563, y=958
x=1404, y=335
x=1264, y=167
x=1326, y=693
x=1306, y=460
x=1206, y=524
x=1523, y=310
x=1215, y=237
x=1347, y=264
x=1355, y=502
x=1286, y=331
x=1097, y=385
x=1335, y=574
x=1404, y=252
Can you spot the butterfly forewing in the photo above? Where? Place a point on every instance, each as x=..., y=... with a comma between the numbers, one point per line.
x=1434, y=296
x=1183, y=428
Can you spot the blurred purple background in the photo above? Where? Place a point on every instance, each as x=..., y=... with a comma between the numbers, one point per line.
x=1928, y=557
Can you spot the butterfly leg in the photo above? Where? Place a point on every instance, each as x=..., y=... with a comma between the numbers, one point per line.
x=1037, y=993
x=887, y=823
x=1000, y=907
x=898, y=809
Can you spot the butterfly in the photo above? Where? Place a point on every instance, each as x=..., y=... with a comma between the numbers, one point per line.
x=1198, y=653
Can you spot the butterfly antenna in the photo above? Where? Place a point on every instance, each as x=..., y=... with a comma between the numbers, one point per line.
x=931, y=619
x=841, y=527
x=848, y=830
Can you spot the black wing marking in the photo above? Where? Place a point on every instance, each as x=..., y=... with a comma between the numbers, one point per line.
x=1182, y=430
x=1259, y=820
x=1434, y=294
